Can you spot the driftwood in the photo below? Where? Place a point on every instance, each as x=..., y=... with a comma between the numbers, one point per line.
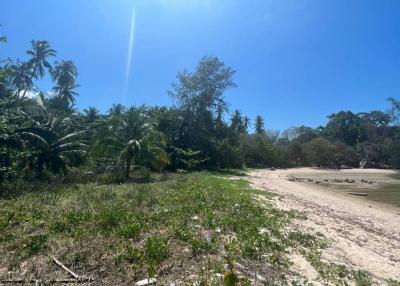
x=65, y=268
x=358, y=194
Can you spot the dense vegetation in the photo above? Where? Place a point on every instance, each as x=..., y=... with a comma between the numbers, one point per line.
x=44, y=134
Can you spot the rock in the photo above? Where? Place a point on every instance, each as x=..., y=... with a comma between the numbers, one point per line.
x=310, y=180
x=273, y=169
x=344, y=167
x=145, y=282
x=89, y=174
x=261, y=278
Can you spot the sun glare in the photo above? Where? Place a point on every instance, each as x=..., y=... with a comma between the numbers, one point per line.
x=130, y=51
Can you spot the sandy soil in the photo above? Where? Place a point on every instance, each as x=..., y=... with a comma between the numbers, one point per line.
x=365, y=234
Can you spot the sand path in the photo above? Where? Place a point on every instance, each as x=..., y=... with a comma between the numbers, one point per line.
x=365, y=235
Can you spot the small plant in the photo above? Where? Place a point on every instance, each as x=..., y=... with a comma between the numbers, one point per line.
x=59, y=227
x=362, y=278
x=133, y=255
x=130, y=230
x=230, y=277
x=35, y=244
x=156, y=249
x=111, y=218
x=392, y=282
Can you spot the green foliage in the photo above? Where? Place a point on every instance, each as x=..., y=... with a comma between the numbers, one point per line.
x=130, y=230
x=34, y=244
x=259, y=125
x=146, y=227
x=156, y=249
x=189, y=136
x=258, y=151
x=186, y=159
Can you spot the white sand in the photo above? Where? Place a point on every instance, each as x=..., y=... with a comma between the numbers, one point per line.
x=365, y=234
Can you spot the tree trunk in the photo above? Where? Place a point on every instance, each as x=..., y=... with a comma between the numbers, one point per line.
x=34, y=70
x=128, y=166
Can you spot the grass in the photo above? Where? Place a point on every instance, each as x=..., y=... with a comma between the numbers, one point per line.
x=188, y=228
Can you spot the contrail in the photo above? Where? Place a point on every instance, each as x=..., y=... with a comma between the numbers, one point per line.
x=130, y=51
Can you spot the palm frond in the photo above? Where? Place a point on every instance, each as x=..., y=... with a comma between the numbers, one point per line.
x=34, y=139
x=70, y=146
x=71, y=136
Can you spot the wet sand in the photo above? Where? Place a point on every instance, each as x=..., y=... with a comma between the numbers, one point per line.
x=378, y=185
x=365, y=232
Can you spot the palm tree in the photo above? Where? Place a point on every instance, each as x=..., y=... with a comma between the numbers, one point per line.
x=117, y=110
x=91, y=114
x=41, y=50
x=64, y=74
x=65, y=97
x=49, y=150
x=132, y=139
x=21, y=78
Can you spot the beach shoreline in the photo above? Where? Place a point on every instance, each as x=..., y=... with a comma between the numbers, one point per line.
x=365, y=234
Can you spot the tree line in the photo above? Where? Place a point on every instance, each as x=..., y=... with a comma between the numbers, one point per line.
x=45, y=135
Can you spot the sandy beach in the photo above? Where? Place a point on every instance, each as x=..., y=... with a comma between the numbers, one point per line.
x=365, y=234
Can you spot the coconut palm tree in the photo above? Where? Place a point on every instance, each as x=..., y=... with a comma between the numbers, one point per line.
x=21, y=77
x=132, y=140
x=91, y=114
x=65, y=97
x=51, y=151
x=39, y=53
x=117, y=110
x=64, y=74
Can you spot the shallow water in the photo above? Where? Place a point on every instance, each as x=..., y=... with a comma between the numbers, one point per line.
x=385, y=189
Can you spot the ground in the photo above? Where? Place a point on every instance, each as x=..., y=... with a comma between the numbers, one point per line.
x=364, y=235
x=204, y=228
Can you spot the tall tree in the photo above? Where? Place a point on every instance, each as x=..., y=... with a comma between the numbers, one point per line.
x=200, y=97
x=129, y=137
x=259, y=124
x=91, y=114
x=21, y=78
x=395, y=109
x=39, y=53
x=64, y=74
x=202, y=91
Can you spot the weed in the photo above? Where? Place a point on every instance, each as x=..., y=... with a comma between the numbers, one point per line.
x=156, y=249
x=34, y=244
x=129, y=230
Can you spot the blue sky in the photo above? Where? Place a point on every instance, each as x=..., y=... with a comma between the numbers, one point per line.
x=296, y=60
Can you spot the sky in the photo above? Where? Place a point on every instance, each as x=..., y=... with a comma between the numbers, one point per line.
x=296, y=61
